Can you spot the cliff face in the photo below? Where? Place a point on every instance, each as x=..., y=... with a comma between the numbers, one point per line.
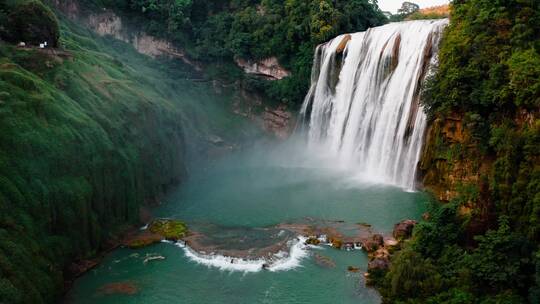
x=268, y=67
x=450, y=158
x=107, y=23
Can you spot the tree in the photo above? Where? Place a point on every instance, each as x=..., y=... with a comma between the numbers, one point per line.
x=408, y=8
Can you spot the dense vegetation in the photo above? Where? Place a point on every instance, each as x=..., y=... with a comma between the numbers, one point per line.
x=220, y=31
x=412, y=11
x=85, y=140
x=482, y=247
x=28, y=21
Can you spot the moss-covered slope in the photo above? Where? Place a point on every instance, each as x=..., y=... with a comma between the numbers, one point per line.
x=85, y=140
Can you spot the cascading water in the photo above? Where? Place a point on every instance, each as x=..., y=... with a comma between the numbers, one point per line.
x=363, y=105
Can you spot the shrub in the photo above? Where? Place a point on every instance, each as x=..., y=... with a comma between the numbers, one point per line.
x=31, y=22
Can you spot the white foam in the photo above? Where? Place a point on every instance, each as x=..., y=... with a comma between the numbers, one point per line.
x=282, y=261
x=223, y=262
x=297, y=253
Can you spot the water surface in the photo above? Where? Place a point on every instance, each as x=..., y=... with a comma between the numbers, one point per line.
x=257, y=187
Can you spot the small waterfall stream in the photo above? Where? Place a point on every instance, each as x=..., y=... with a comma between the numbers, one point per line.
x=363, y=105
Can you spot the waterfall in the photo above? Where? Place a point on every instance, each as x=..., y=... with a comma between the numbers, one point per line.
x=363, y=105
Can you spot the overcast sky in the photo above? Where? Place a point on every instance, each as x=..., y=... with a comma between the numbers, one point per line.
x=393, y=5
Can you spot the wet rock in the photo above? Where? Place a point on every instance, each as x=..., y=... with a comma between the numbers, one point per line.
x=171, y=230
x=366, y=225
x=353, y=269
x=125, y=288
x=278, y=122
x=150, y=258
x=403, y=230
x=268, y=67
x=336, y=243
x=379, y=263
x=343, y=44
x=143, y=239
x=373, y=243
x=324, y=261
x=313, y=241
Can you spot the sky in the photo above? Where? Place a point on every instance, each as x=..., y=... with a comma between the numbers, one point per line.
x=393, y=5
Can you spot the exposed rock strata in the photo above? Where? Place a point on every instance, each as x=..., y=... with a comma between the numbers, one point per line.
x=269, y=68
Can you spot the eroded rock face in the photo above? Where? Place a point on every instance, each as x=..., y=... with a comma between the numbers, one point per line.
x=450, y=158
x=278, y=122
x=268, y=67
x=403, y=230
x=107, y=23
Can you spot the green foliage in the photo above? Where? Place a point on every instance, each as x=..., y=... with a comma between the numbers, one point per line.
x=220, y=31
x=489, y=75
x=169, y=229
x=501, y=259
x=413, y=276
x=29, y=21
x=85, y=140
x=489, y=59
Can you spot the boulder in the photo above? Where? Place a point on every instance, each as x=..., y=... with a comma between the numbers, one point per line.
x=343, y=44
x=373, y=243
x=120, y=288
x=353, y=269
x=313, y=241
x=403, y=230
x=336, y=243
x=379, y=263
x=324, y=261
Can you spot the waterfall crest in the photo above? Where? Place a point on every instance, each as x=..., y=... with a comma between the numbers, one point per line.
x=363, y=105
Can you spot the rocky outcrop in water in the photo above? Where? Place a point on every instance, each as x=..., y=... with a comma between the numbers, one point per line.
x=380, y=249
x=404, y=229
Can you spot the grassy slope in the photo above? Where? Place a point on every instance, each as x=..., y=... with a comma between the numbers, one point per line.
x=84, y=141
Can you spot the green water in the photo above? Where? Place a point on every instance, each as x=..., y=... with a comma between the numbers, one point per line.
x=257, y=187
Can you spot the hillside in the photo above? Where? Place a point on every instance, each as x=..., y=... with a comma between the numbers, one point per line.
x=91, y=131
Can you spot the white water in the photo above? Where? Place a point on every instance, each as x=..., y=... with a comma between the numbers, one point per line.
x=281, y=261
x=363, y=107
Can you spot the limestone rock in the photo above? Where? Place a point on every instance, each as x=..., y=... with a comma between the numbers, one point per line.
x=373, y=243
x=403, y=230
x=278, y=121
x=343, y=44
x=380, y=263
x=353, y=269
x=268, y=67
